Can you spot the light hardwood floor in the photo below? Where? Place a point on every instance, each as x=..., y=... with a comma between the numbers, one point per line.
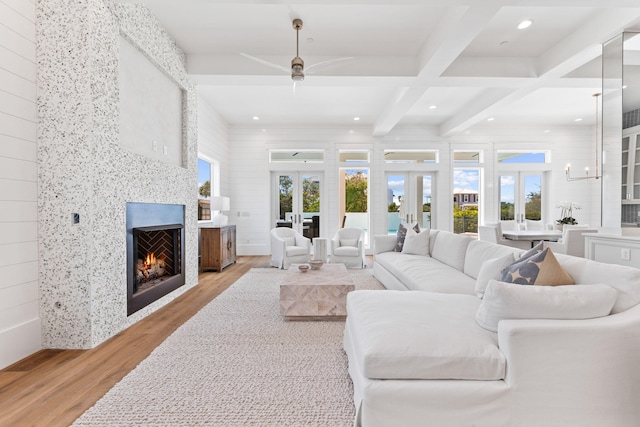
x=54, y=387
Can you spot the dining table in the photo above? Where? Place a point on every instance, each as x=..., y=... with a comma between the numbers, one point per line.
x=533, y=236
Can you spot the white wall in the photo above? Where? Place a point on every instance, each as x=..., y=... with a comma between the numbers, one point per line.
x=251, y=186
x=19, y=314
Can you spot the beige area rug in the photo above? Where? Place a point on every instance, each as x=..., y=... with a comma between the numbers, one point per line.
x=238, y=363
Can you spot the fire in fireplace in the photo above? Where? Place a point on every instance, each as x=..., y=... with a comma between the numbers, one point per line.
x=155, y=259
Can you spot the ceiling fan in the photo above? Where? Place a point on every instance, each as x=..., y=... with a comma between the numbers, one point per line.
x=297, y=69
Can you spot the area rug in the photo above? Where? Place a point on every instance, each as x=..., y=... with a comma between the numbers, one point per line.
x=238, y=363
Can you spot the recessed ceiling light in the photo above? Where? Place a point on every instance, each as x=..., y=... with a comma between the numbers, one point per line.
x=579, y=119
x=525, y=24
x=433, y=107
x=356, y=118
x=546, y=131
x=256, y=118
x=624, y=87
x=490, y=119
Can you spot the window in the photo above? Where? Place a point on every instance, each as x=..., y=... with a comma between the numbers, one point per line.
x=465, y=200
x=411, y=156
x=466, y=156
x=354, y=199
x=296, y=156
x=352, y=156
x=208, y=185
x=522, y=156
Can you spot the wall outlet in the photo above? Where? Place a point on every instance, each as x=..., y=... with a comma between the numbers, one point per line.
x=625, y=254
x=164, y=150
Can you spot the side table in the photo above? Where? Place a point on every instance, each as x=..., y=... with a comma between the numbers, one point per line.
x=320, y=249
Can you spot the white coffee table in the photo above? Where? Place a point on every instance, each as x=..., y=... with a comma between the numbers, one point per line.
x=317, y=294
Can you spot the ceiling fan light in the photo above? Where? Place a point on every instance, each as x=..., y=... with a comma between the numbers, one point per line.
x=297, y=76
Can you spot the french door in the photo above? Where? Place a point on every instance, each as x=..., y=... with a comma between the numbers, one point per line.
x=521, y=196
x=409, y=199
x=297, y=201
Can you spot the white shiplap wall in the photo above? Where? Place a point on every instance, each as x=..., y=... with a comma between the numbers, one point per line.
x=19, y=313
x=251, y=186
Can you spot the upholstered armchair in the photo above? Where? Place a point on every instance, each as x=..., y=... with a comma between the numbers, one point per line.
x=572, y=241
x=493, y=233
x=288, y=247
x=347, y=247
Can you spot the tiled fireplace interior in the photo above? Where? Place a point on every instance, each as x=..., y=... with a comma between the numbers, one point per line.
x=155, y=257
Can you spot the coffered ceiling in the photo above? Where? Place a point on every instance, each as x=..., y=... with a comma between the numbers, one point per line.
x=448, y=64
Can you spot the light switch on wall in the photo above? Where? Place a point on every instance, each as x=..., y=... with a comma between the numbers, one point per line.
x=626, y=254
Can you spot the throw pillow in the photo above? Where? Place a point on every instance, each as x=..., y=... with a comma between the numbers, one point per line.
x=507, y=301
x=533, y=251
x=492, y=269
x=416, y=243
x=401, y=235
x=349, y=242
x=542, y=269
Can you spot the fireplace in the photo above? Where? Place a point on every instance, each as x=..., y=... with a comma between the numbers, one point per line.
x=155, y=255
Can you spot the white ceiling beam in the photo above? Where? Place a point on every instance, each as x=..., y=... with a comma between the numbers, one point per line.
x=454, y=33
x=580, y=48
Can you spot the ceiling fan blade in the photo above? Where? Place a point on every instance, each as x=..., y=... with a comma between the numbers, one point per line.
x=267, y=63
x=327, y=63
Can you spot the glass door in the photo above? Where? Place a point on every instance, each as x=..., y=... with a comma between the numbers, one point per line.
x=297, y=201
x=521, y=197
x=409, y=199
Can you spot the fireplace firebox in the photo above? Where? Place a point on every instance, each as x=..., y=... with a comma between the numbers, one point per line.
x=155, y=255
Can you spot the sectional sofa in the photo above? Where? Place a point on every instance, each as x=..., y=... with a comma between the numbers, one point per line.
x=450, y=344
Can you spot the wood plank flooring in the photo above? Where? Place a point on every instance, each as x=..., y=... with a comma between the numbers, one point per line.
x=54, y=387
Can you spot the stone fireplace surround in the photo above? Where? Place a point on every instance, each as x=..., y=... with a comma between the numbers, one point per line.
x=84, y=171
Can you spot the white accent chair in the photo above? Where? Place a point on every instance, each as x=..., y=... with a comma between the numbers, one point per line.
x=347, y=247
x=530, y=224
x=289, y=247
x=571, y=242
x=493, y=233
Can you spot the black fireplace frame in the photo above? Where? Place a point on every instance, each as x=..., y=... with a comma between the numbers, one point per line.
x=143, y=217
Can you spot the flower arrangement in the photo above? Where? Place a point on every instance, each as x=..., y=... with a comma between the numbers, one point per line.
x=566, y=212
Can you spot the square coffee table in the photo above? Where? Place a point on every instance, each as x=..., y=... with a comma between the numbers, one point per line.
x=317, y=294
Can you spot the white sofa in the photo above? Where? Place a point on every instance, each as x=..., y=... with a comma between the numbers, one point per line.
x=417, y=356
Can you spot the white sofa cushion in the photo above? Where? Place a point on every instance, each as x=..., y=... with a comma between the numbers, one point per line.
x=422, y=273
x=422, y=335
x=624, y=279
x=451, y=248
x=346, y=251
x=349, y=242
x=492, y=269
x=416, y=243
x=480, y=251
x=296, y=250
x=508, y=301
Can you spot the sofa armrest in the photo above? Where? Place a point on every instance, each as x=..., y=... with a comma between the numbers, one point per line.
x=580, y=362
x=384, y=243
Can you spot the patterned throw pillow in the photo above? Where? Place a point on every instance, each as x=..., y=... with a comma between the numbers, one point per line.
x=402, y=234
x=533, y=251
x=541, y=269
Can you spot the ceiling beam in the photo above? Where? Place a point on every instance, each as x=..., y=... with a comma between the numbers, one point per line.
x=454, y=33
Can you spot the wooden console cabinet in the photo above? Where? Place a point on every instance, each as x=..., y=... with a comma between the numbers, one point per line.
x=217, y=247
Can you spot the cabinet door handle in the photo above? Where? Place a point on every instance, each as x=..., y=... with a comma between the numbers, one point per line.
x=229, y=245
